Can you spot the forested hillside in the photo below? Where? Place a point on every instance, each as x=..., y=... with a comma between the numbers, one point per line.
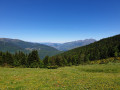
x=105, y=48
x=15, y=45
x=100, y=51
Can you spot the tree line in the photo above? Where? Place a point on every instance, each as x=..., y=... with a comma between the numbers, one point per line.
x=20, y=59
x=105, y=48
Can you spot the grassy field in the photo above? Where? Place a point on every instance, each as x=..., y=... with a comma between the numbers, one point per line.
x=95, y=77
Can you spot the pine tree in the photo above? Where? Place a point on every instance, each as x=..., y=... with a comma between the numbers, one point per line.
x=33, y=57
x=9, y=58
x=46, y=60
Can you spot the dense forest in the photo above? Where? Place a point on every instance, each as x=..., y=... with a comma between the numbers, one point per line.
x=20, y=59
x=105, y=48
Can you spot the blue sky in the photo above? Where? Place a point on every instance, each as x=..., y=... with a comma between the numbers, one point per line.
x=59, y=20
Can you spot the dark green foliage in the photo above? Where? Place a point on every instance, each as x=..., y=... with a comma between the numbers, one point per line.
x=41, y=64
x=52, y=67
x=46, y=60
x=8, y=58
x=1, y=61
x=105, y=48
x=20, y=59
x=58, y=61
x=33, y=59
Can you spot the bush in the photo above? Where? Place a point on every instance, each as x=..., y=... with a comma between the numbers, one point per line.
x=34, y=65
x=7, y=65
x=52, y=67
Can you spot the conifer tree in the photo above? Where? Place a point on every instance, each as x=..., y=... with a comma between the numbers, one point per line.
x=33, y=59
x=46, y=60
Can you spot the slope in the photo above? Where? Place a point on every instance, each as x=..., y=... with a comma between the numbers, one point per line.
x=105, y=48
x=13, y=45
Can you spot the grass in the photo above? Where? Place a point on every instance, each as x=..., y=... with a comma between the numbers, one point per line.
x=95, y=77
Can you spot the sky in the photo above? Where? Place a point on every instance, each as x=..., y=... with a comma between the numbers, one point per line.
x=59, y=20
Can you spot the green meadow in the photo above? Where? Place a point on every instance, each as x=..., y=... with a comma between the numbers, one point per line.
x=83, y=77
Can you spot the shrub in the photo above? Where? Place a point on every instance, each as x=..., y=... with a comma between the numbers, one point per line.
x=52, y=67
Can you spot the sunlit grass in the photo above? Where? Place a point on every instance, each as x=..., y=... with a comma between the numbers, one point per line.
x=96, y=77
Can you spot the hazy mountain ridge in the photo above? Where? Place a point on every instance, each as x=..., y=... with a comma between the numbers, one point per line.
x=70, y=45
x=13, y=45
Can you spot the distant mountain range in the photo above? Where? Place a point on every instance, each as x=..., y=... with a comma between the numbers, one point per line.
x=70, y=45
x=14, y=45
x=44, y=49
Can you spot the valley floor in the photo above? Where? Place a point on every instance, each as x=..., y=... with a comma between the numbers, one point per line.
x=95, y=77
